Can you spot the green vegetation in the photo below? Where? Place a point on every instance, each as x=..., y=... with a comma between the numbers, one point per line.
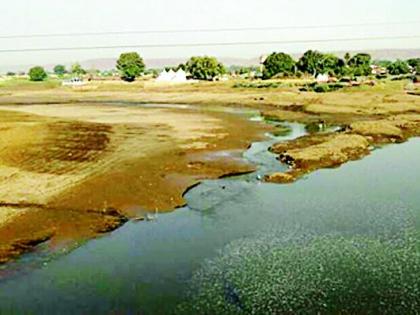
x=278, y=63
x=314, y=63
x=245, y=70
x=398, y=67
x=60, y=70
x=310, y=62
x=257, y=85
x=359, y=64
x=37, y=74
x=77, y=69
x=322, y=87
x=130, y=65
x=281, y=130
x=415, y=64
x=204, y=68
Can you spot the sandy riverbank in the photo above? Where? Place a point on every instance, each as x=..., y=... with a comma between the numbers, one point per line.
x=72, y=171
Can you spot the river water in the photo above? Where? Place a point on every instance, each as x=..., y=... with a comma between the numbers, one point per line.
x=214, y=250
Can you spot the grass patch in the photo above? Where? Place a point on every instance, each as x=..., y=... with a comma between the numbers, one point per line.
x=281, y=131
x=322, y=88
x=19, y=84
x=259, y=85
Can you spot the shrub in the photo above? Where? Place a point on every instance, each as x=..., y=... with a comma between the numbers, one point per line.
x=37, y=74
x=321, y=88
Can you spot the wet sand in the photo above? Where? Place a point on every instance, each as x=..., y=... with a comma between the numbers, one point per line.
x=71, y=172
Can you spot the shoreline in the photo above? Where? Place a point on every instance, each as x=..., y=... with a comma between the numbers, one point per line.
x=144, y=181
x=380, y=117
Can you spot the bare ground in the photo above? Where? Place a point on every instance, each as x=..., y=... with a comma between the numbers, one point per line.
x=73, y=171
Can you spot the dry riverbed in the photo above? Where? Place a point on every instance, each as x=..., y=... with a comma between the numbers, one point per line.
x=70, y=172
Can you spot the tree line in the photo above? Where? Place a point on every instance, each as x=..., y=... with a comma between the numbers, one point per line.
x=314, y=62
x=278, y=64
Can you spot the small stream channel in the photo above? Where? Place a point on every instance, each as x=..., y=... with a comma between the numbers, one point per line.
x=214, y=249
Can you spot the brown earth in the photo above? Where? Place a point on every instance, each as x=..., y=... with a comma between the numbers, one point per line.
x=69, y=172
x=354, y=141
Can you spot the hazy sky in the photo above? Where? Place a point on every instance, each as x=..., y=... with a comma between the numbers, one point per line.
x=63, y=16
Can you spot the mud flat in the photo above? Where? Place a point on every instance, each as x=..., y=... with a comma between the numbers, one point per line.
x=331, y=149
x=71, y=172
x=118, y=162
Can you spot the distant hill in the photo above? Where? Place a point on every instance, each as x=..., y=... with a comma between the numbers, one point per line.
x=109, y=63
x=390, y=54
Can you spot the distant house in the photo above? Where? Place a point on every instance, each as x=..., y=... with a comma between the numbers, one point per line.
x=172, y=77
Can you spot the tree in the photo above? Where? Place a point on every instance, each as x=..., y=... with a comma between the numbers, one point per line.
x=311, y=62
x=278, y=63
x=77, y=69
x=415, y=64
x=315, y=63
x=204, y=68
x=382, y=63
x=347, y=58
x=60, y=70
x=332, y=65
x=398, y=67
x=130, y=65
x=37, y=74
x=360, y=64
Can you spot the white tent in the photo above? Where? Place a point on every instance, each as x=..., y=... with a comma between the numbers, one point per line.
x=172, y=77
x=163, y=76
x=180, y=76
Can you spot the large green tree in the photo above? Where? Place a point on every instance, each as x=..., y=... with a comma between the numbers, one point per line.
x=37, y=74
x=398, y=67
x=204, y=68
x=360, y=64
x=311, y=62
x=332, y=65
x=315, y=62
x=130, y=65
x=60, y=70
x=415, y=64
x=278, y=63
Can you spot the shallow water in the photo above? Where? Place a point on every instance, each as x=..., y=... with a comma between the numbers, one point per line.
x=147, y=267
